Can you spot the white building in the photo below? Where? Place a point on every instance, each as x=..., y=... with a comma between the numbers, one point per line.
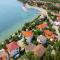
x=13, y=49
x=28, y=35
x=41, y=39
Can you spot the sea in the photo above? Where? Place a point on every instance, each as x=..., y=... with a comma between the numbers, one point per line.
x=13, y=15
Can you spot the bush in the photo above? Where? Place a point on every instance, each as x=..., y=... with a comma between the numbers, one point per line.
x=35, y=42
x=25, y=42
x=37, y=32
x=57, y=45
x=1, y=46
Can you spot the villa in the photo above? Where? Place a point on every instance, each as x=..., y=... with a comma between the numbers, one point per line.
x=41, y=39
x=42, y=26
x=49, y=34
x=30, y=47
x=13, y=49
x=28, y=35
x=3, y=55
x=39, y=50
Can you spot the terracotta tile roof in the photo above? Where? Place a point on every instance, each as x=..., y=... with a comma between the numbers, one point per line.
x=39, y=50
x=41, y=26
x=30, y=47
x=27, y=33
x=11, y=46
x=49, y=34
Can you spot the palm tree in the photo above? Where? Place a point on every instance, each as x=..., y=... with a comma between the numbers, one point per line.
x=59, y=29
x=19, y=31
x=47, y=55
x=15, y=38
x=24, y=1
x=25, y=42
x=6, y=41
x=10, y=37
x=1, y=46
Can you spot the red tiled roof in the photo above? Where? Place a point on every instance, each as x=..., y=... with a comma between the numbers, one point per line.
x=39, y=50
x=11, y=46
x=30, y=47
x=27, y=33
x=41, y=26
x=49, y=34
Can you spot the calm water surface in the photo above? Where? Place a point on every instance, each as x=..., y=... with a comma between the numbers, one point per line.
x=12, y=17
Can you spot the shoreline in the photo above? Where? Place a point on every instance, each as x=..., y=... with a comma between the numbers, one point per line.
x=42, y=11
x=27, y=6
x=20, y=27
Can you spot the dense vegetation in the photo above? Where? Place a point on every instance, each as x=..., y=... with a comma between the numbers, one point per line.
x=24, y=1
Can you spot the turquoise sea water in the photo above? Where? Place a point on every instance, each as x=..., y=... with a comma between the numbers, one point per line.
x=12, y=17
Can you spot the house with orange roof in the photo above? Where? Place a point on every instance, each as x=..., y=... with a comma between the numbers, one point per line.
x=13, y=49
x=49, y=34
x=39, y=50
x=4, y=55
x=28, y=35
x=42, y=26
